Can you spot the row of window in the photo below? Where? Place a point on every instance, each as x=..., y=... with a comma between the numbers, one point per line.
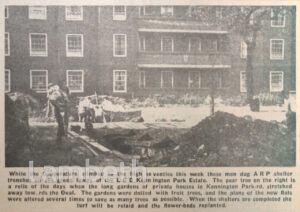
x=194, y=44
x=276, y=49
x=75, y=13
x=119, y=13
x=72, y=13
x=150, y=10
x=74, y=80
x=38, y=45
x=276, y=81
x=197, y=79
x=39, y=80
x=276, y=21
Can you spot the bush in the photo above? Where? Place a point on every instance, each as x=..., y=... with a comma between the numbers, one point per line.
x=191, y=99
x=187, y=99
x=239, y=100
x=268, y=99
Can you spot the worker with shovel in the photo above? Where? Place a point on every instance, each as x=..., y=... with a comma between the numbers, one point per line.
x=59, y=99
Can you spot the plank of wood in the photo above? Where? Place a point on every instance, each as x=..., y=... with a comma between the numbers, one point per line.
x=98, y=146
x=132, y=125
x=91, y=142
x=86, y=145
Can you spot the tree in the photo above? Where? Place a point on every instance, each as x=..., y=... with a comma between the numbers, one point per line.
x=247, y=21
x=212, y=83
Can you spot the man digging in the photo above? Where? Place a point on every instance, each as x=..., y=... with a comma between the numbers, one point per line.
x=59, y=99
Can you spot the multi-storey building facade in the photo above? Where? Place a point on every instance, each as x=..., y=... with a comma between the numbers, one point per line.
x=132, y=51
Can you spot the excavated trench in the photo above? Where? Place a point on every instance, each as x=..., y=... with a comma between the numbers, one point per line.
x=219, y=140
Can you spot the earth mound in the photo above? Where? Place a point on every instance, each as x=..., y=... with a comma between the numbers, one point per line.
x=227, y=140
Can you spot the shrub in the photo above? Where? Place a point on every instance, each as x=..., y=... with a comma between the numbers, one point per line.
x=239, y=100
x=269, y=99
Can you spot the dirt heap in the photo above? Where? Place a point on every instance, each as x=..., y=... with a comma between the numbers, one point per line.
x=226, y=140
x=17, y=129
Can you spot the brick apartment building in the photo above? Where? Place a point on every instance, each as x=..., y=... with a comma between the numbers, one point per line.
x=133, y=51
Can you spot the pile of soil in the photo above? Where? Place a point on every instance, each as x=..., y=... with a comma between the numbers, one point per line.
x=17, y=130
x=227, y=140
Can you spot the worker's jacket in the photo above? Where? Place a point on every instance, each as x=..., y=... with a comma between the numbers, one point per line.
x=58, y=97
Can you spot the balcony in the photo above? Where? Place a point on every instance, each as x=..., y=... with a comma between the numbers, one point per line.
x=182, y=60
x=180, y=26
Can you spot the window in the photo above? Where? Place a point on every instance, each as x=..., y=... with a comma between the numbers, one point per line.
x=212, y=45
x=167, y=80
x=7, y=80
x=37, y=12
x=276, y=81
x=195, y=45
x=219, y=79
x=74, y=45
x=39, y=80
x=166, y=10
x=219, y=13
x=120, y=81
x=276, y=49
x=277, y=20
x=38, y=44
x=195, y=11
x=194, y=79
x=74, y=13
x=223, y=79
x=243, y=50
x=7, y=44
x=99, y=14
x=119, y=13
x=146, y=10
x=142, y=44
x=243, y=81
x=222, y=45
x=142, y=79
x=75, y=80
x=167, y=44
x=251, y=19
x=120, y=45
x=205, y=79
x=6, y=12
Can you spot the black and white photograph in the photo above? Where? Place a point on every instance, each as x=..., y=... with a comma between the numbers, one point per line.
x=166, y=85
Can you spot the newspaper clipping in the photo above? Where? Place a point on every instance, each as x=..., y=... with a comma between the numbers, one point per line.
x=149, y=105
